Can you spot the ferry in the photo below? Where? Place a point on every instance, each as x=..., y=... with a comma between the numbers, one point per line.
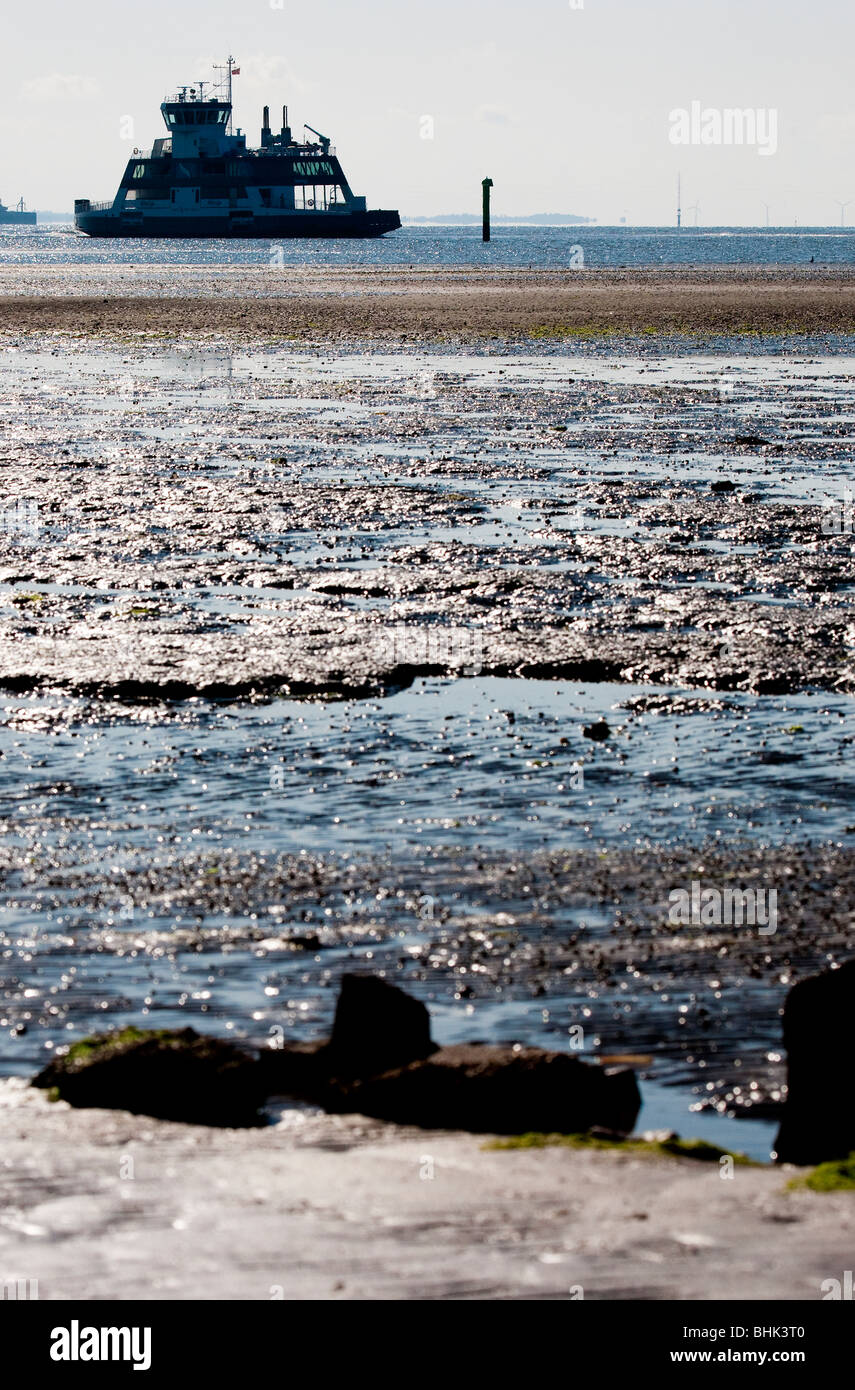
x=201, y=180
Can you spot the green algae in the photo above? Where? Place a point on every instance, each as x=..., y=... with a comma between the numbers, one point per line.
x=836, y=1176
x=101, y=1044
x=697, y=1149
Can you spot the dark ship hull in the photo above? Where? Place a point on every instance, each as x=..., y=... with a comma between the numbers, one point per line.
x=9, y=217
x=270, y=227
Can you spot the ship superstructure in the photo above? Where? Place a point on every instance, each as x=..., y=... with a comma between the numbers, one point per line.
x=201, y=180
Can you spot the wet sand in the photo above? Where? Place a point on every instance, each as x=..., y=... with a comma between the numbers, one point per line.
x=101, y=1205
x=429, y=305
x=258, y=525
x=563, y=514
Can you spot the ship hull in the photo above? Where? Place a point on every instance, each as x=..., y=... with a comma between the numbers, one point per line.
x=270, y=227
x=17, y=219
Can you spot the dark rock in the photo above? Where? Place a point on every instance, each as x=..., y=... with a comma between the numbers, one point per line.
x=171, y=1075
x=302, y=1071
x=723, y=485
x=377, y=1027
x=497, y=1090
x=818, y=1123
x=474, y=1086
x=380, y=1062
x=599, y=732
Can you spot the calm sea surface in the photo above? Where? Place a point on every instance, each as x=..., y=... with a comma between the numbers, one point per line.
x=512, y=246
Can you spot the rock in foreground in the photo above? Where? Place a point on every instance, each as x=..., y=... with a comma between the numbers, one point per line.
x=170, y=1075
x=819, y=1119
x=380, y=1061
x=498, y=1090
x=377, y=1026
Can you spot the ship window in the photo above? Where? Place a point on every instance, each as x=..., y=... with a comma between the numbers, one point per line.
x=139, y=170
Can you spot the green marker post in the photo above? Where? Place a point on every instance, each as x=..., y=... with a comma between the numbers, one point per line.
x=486, y=185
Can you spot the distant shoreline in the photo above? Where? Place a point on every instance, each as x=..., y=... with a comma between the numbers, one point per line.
x=470, y=219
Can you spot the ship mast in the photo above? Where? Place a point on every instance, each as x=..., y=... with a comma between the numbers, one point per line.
x=218, y=67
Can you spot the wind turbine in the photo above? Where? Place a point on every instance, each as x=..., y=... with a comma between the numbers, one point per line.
x=766, y=206
x=695, y=208
x=843, y=207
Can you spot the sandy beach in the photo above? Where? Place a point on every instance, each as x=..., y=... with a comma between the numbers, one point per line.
x=102, y=1205
x=425, y=304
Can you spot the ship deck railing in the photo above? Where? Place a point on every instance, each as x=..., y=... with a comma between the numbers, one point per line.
x=297, y=151
x=100, y=207
x=301, y=151
x=181, y=98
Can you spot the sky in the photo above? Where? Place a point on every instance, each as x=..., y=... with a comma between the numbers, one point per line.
x=568, y=105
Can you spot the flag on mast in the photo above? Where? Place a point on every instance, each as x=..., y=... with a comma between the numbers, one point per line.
x=235, y=72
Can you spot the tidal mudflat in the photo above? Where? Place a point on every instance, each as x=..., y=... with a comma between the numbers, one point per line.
x=451, y=662
x=260, y=292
